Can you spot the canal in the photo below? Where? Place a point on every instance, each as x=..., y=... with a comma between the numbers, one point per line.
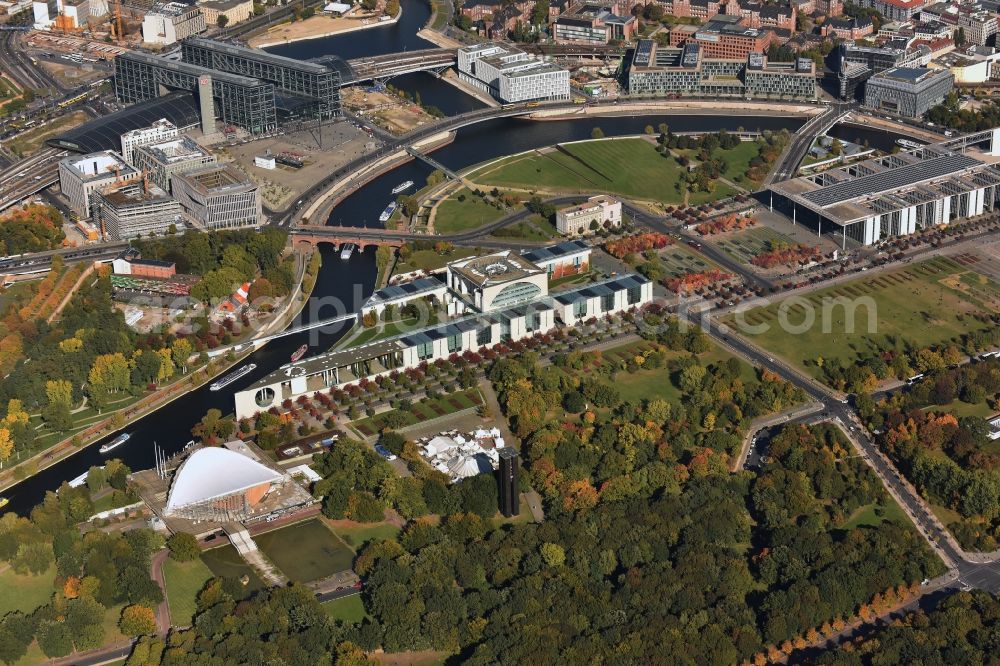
x=344, y=285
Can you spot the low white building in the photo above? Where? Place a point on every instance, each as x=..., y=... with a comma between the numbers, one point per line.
x=578, y=219
x=160, y=131
x=511, y=75
x=170, y=22
x=398, y=295
x=265, y=161
x=471, y=333
x=496, y=281
x=566, y=258
x=81, y=175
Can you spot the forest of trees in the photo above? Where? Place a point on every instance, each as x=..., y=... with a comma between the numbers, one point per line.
x=94, y=572
x=949, y=114
x=33, y=228
x=963, y=629
x=948, y=459
x=701, y=564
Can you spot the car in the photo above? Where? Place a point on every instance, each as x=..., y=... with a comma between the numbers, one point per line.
x=384, y=452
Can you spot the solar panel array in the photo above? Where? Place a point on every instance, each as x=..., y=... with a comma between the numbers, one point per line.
x=554, y=251
x=599, y=289
x=643, y=52
x=890, y=180
x=406, y=289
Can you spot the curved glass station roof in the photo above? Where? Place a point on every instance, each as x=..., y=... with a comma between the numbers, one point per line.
x=180, y=108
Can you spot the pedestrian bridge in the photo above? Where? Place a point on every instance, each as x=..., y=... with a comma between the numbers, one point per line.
x=380, y=68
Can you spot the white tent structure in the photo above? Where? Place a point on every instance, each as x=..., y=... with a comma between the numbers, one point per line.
x=219, y=484
x=464, y=466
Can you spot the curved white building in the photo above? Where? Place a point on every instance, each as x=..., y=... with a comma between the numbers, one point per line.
x=217, y=483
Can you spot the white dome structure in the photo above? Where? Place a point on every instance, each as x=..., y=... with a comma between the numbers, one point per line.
x=218, y=483
x=464, y=466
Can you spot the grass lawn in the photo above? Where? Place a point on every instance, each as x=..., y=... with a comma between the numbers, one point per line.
x=906, y=306
x=429, y=260
x=306, y=551
x=738, y=161
x=226, y=562
x=630, y=167
x=875, y=514
x=25, y=593
x=424, y=410
x=184, y=581
x=958, y=409
x=658, y=383
x=535, y=228
x=347, y=609
x=745, y=245
x=678, y=260
x=463, y=211
x=358, y=535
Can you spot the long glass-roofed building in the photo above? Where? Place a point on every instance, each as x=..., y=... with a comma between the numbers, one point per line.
x=898, y=194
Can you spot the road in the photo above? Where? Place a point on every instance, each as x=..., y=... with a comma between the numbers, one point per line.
x=17, y=64
x=802, y=140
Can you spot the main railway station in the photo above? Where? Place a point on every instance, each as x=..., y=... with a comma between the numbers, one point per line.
x=897, y=194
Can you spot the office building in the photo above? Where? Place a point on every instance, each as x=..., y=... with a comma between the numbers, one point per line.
x=978, y=26
x=162, y=160
x=908, y=91
x=135, y=210
x=894, y=10
x=595, y=211
x=566, y=258
x=170, y=22
x=496, y=281
x=530, y=316
x=235, y=11
x=590, y=23
x=972, y=65
x=725, y=37
x=159, y=131
x=896, y=195
x=218, y=197
x=511, y=75
x=245, y=87
x=847, y=28
x=656, y=70
x=81, y=175
x=509, y=491
x=858, y=63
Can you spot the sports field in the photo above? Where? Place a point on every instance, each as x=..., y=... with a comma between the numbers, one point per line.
x=306, y=551
x=920, y=305
x=629, y=167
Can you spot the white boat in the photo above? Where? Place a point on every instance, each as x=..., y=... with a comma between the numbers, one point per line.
x=115, y=443
x=402, y=187
x=79, y=481
x=906, y=143
x=232, y=377
x=387, y=213
x=347, y=251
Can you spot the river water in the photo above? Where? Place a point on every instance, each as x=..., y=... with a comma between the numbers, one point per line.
x=343, y=285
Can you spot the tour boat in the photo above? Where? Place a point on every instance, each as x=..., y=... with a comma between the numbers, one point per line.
x=402, y=187
x=387, y=213
x=232, y=377
x=299, y=353
x=115, y=443
x=906, y=143
x=347, y=251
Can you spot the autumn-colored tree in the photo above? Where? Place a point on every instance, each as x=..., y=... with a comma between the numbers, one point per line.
x=787, y=647
x=6, y=444
x=137, y=620
x=71, y=588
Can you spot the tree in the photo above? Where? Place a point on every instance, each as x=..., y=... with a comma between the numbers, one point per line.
x=183, y=547
x=222, y=21
x=553, y=554
x=181, y=351
x=392, y=7
x=137, y=620
x=597, y=133
x=6, y=444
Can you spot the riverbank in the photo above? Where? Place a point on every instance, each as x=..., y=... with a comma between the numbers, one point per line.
x=320, y=209
x=317, y=27
x=119, y=419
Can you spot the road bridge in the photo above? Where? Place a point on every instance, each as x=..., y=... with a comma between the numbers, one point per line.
x=795, y=152
x=381, y=68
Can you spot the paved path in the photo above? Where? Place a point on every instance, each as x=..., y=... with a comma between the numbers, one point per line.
x=163, y=609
